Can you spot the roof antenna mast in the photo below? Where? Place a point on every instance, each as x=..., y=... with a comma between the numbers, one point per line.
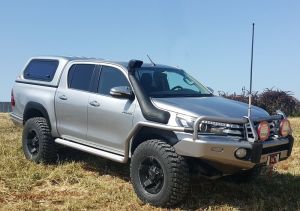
x=250, y=91
x=151, y=60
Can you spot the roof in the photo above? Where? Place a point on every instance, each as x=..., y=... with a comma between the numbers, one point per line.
x=89, y=59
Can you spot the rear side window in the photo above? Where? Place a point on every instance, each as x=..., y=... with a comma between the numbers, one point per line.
x=41, y=69
x=111, y=77
x=80, y=76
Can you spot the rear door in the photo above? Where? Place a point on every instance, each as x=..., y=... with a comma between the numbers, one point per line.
x=109, y=118
x=71, y=102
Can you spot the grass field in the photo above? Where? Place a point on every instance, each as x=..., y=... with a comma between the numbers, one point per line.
x=83, y=182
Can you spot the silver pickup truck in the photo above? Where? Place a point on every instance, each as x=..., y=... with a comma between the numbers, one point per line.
x=158, y=117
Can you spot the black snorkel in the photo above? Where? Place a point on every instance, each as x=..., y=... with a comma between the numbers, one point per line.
x=150, y=112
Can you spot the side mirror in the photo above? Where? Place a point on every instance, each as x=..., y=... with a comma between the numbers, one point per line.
x=210, y=89
x=121, y=92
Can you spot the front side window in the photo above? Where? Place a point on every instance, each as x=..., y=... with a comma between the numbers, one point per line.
x=111, y=77
x=80, y=76
x=169, y=82
x=41, y=69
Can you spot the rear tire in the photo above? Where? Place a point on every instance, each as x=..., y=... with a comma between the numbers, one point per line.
x=38, y=144
x=159, y=175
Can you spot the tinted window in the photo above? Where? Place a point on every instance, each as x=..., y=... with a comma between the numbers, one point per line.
x=80, y=76
x=169, y=82
x=111, y=77
x=41, y=69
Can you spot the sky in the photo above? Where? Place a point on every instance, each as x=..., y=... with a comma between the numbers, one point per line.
x=210, y=39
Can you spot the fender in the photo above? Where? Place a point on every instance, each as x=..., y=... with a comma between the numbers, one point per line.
x=31, y=110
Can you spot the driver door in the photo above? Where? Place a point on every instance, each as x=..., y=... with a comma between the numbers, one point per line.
x=109, y=118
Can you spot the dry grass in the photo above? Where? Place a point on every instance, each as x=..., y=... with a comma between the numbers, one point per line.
x=84, y=182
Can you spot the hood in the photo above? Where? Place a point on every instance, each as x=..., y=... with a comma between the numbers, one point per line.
x=208, y=106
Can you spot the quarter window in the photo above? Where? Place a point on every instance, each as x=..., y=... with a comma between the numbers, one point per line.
x=80, y=76
x=41, y=69
x=111, y=77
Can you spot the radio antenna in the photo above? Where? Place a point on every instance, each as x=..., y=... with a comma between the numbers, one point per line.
x=151, y=60
x=251, y=67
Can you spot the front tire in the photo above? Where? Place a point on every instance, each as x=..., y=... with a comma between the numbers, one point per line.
x=159, y=175
x=38, y=144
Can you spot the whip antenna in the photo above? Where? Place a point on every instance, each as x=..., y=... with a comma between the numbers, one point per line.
x=151, y=60
x=251, y=67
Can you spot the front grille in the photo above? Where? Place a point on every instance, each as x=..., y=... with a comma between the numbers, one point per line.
x=240, y=131
x=248, y=130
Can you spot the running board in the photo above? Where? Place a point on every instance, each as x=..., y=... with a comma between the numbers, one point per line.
x=91, y=150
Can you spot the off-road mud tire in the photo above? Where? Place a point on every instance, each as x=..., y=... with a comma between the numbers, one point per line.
x=45, y=149
x=175, y=170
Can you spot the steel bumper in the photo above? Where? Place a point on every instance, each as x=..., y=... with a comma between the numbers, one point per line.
x=222, y=150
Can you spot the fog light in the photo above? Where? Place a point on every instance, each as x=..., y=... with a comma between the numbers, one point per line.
x=241, y=153
x=285, y=128
x=263, y=131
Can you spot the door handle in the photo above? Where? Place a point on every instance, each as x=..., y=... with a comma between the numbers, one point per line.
x=94, y=103
x=63, y=97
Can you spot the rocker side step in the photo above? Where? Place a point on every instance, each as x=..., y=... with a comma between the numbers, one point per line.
x=91, y=150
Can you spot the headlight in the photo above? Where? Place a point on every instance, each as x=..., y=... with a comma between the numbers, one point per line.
x=220, y=128
x=209, y=127
x=185, y=121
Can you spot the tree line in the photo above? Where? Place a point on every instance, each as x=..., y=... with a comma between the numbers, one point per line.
x=270, y=100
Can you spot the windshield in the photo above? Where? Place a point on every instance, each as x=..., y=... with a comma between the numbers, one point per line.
x=169, y=82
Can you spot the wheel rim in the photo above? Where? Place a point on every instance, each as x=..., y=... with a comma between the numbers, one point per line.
x=32, y=142
x=151, y=175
